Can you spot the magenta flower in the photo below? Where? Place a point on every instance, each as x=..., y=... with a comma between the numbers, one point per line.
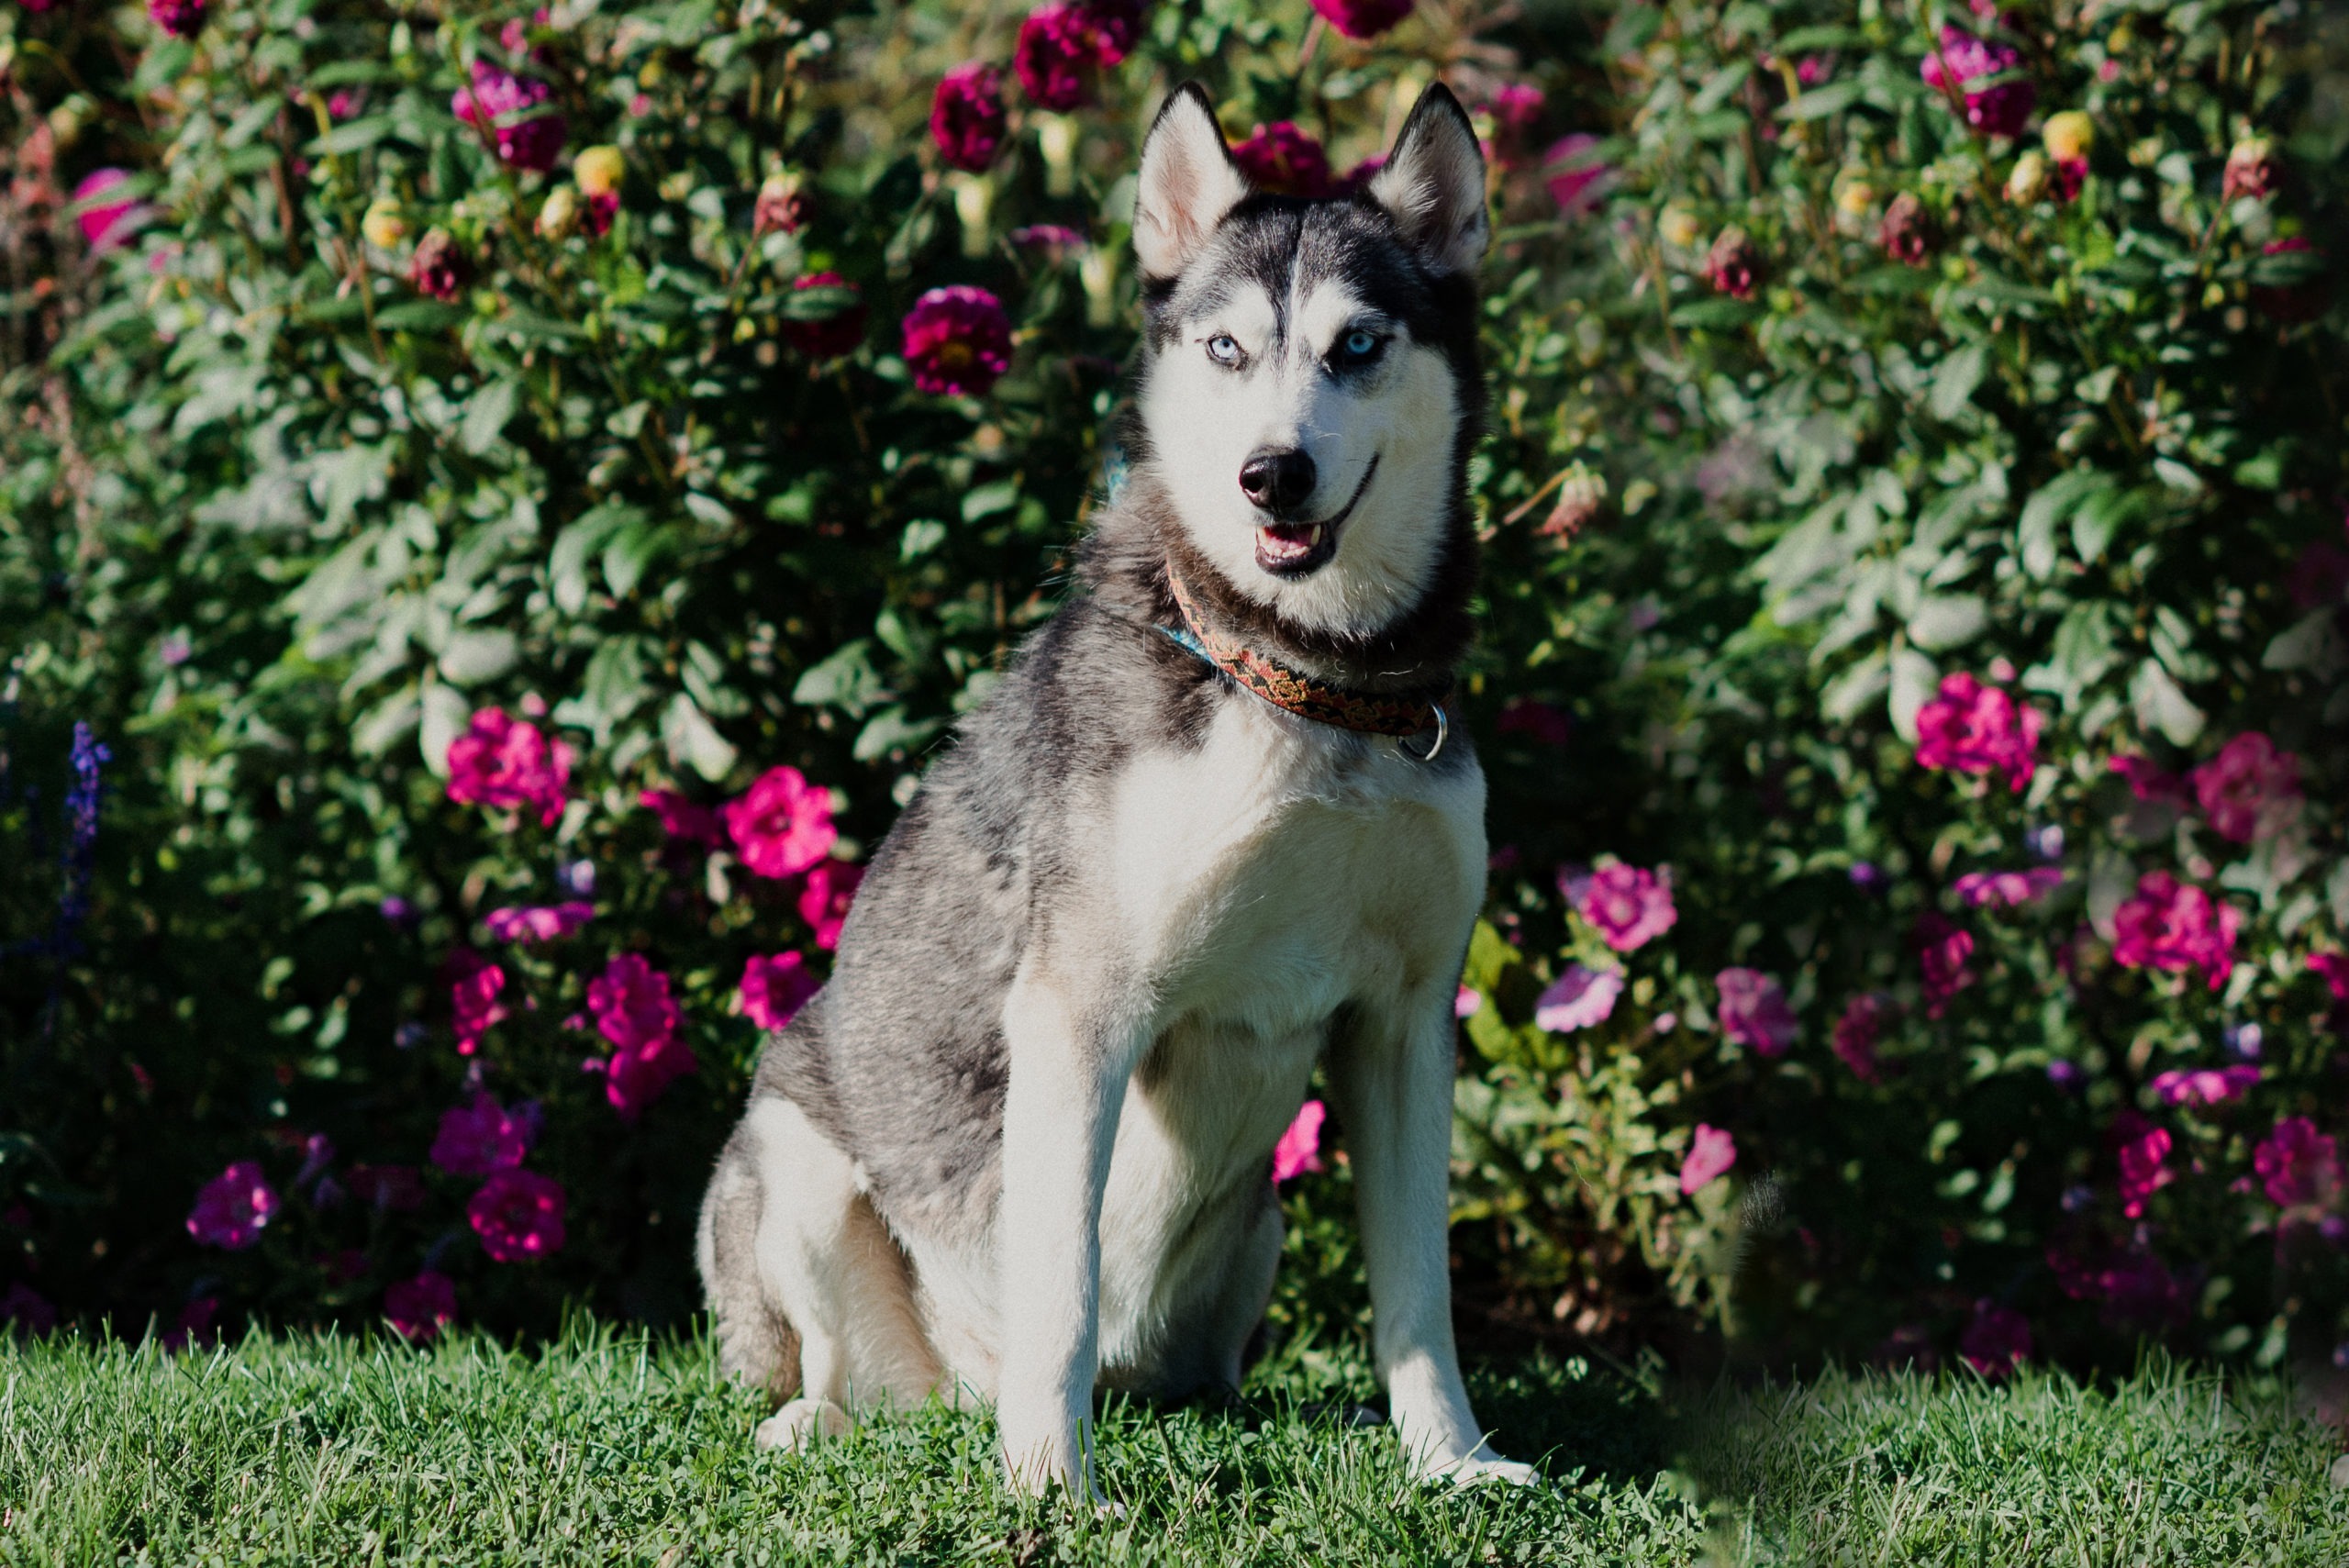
x=1734, y=266
x=537, y=922
x=776, y=986
x=2204, y=1085
x=631, y=1004
x=519, y=1215
x=1468, y=1002
x=1056, y=45
x=1058, y=241
x=1515, y=106
x=782, y=825
x=479, y=1140
x=1578, y=999
x=438, y=268
x=2170, y=926
x=1711, y=1152
x=1857, y=1033
x=232, y=1209
x=1573, y=175
x=831, y=335
x=2299, y=1166
x=957, y=341
x=1283, y=159
x=825, y=896
x=502, y=761
x=391, y=1188
x=682, y=819
x=29, y=1309
x=1963, y=61
x=1362, y=19
x=1299, y=1149
x=474, y=985
x=2147, y=781
x=634, y=1078
x=419, y=1309
x=1754, y=1011
x=2011, y=888
x=508, y=107
x=967, y=118
x=194, y=1325
x=1942, y=948
x=1535, y=720
x=2334, y=968
x=2141, y=1151
x=1996, y=1342
x=1627, y=906
x=2251, y=789
x=105, y=224
x=181, y=19
x=1975, y=728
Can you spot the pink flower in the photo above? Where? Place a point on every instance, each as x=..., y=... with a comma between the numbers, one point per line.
x=29, y=1309
x=474, y=985
x=2172, y=926
x=1299, y=1149
x=631, y=1004
x=1734, y=266
x=419, y=1309
x=1058, y=241
x=774, y=987
x=1627, y=906
x=683, y=818
x=1996, y=1342
x=2141, y=1149
x=1578, y=999
x=479, y=1140
x=1942, y=948
x=1712, y=1153
x=508, y=107
x=957, y=341
x=1535, y=720
x=782, y=825
x=388, y=1187
x=438, y=268
x=824, y=899
x=1813, y=69
x=181, y=19
x=1362, y=19
x=502, y=761
x=519, y=1215
x=967, y=118
x=1754, y=1011
x=105, y=224
x=634, y=1078
x=2147, y=781
x=1117, y=28
x=2010, y=888
x=781, y=206
x=2251, y=789
x=1468, y=1002
x=2334, y=969
x=832, y=336
x=1976, y=728
x=1575, y=175
x=233, y=1207
x=2299, y=1166
x=1056, y=45
x=537, y=922
x=1515, y=106
x=1283, y=159
x=1964, y=60
x=2204, y=1085
x=1857, y=1033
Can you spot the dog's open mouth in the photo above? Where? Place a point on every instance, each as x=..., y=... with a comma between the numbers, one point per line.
x=1294, y=549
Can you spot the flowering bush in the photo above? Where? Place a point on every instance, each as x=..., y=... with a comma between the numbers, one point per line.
x=478, y=612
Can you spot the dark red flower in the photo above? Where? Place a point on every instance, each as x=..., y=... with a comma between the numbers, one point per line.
x=181, y=19
x=1056, y=46
x=832, y=336
x=1906, y=233
x=1362, y=19
x=1284, y=160
x=957, y=341
x=439, y=268
x=967, y=118
x=1733, y=264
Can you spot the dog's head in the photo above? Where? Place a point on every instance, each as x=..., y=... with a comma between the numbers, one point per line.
x=1311, y=386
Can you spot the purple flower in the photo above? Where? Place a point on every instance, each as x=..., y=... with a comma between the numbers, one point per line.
x=479, y=1140
x=967, y=118
x=508, y=107
x=232, y=1209
x=181, y=19
x=1996, y=1342
x=2065, y=1074
x=519, y=1215
x=2205, y=1085
x=419, y=1309
x=1754, y=1011
x=1362, y=19
x=1867, y=875
x=1578, y=999
x=537, y=922
x=1964, y=60
x=957, y=341
x=2010, y=888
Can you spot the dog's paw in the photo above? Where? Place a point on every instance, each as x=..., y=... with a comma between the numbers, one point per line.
x=801, y=1423
x=1484, y=1466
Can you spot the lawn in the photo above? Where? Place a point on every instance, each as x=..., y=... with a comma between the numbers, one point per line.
x=605, y=1448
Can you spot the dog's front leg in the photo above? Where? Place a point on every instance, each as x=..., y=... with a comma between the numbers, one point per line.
x=1392, y=1085
x=1069, y=1069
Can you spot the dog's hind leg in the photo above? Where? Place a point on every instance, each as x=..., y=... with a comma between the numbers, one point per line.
x=1245, y=1291
x=755, y=1340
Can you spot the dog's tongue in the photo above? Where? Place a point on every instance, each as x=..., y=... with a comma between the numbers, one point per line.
x=1288, y=542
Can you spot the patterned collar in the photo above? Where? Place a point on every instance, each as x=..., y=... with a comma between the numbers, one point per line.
x=1300, y=694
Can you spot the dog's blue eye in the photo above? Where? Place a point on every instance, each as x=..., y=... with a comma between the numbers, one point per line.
x=1223, y=348
x=1359, y=344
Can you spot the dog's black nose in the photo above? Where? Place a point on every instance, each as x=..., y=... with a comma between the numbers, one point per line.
x=1278, y=481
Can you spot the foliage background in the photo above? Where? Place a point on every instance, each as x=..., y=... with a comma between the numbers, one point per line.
x=272, y=524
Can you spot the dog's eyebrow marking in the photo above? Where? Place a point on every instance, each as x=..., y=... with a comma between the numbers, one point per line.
x=1333, y=307
x=1245, y=313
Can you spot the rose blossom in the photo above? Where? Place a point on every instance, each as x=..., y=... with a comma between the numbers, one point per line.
x=2010, y=888
x=1299, y=1149
x=504, y=105
x=1283, y=159
x=1468, y=1002
x=1733, y=266
x=438, y=269
x=1627, y=905
x=782, y=824
x=1056, y=44
x=1754, y=1011
x=233, y=1207
x=957, y=341
x=2251, y=789
x=774, y=987
x=2204, y=1085
x=967, y=118
x=1964, y=60
x=1578, y=999
x=1996, y=1342
x=2297, y=1164
x=502, y=761
x=1906, y=231
x=537, y=922
x=824, y=899
x=479, y=1140
x=1362, y=18
x=1711, y=1152
x=2147, y=781
x=107, y=224
x=419, y=1309
x=2170, y=926
x=519, y=1215
x=1943, y=947
x=1975, y=728
x=2141, y=1151
x=634, y=1010
x=833, y=336
x=1857, y=1033
x=1574, y=176
x=181, y=19
x=781, y=206
x=682, y=819
x=474, y=985
x=2252, y=170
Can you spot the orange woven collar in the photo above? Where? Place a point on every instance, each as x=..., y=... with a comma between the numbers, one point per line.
x=1300, y=694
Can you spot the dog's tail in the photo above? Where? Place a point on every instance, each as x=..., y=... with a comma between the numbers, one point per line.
x=755, y=1342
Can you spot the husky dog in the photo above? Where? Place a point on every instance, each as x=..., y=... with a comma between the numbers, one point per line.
x=1209, y=830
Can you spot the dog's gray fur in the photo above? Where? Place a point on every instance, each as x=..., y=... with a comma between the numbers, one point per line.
x=1018, y=1143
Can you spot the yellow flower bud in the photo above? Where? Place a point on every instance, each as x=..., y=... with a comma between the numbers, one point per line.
x=1679, y=228
x=559, y=213
x=1855, y=198
x=384, y=225
x=598, y=170
x=2068, y=135
x=2029, y=181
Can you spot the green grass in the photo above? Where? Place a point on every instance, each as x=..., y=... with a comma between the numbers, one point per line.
x=603, y=1449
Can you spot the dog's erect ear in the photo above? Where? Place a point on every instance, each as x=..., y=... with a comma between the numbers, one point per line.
x=1188, y=183
x=1435, y=183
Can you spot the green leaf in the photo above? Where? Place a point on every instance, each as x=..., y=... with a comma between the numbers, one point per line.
x=633, y=548
x=1715, y=313
x=1945, y=621
x=445, y=716
x=891, y=731
x=693, y=742
x=819, y=304
x=567, y=564
x=1821, y=102
x=1914, y=680
x=986, y=500
x=364, y=132
x=2160, y=705
x=1720, y=85
x=846, y=681
x=1953, y=383
x=476, y=654
x=419, y=315
x=486, y=412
